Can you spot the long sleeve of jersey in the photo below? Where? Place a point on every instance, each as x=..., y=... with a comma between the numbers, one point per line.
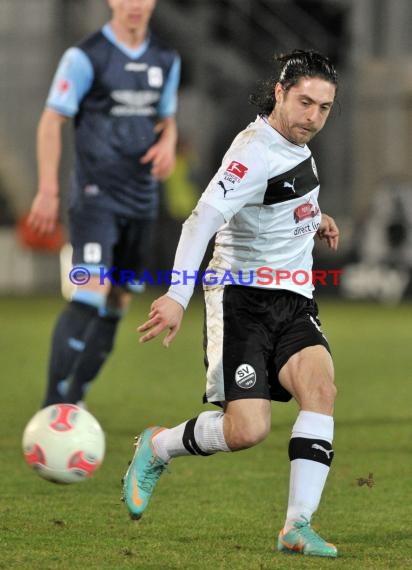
x=197, y=231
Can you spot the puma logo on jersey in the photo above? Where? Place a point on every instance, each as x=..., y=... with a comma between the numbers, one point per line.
x=327, y=451
x=225, y=190
x=287, y=184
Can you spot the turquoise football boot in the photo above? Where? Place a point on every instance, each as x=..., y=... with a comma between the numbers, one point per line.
x=143, y=473
x=302, y=539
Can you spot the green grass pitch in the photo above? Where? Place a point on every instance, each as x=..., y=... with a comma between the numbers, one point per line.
x=221, y=512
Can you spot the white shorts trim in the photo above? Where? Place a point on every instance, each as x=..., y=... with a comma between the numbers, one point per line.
x=215, y=387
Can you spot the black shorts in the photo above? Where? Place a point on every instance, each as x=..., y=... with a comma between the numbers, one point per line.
x=250, y=334
x=102, y=240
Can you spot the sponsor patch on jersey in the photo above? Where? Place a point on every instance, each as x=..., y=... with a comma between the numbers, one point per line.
x=133, y=66
x=237, y=169
x=305, y=211
x=155, y=76
x=63, y=86
x=306, y=217
x=134, y=103
x=245, y=376
x=91, y=190
x=233, y=174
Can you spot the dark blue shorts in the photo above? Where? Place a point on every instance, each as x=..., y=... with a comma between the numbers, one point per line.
x=103, y=240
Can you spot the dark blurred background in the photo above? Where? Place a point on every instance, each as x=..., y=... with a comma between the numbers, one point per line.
x=363, y=155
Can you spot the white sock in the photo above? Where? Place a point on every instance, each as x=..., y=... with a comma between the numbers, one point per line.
x=209, y=432
x=208, y=435
x=168, y=443
x=307, y=477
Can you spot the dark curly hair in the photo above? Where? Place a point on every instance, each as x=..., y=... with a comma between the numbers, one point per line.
x=293, y=66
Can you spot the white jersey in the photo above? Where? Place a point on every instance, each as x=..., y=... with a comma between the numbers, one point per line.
x=267, y=191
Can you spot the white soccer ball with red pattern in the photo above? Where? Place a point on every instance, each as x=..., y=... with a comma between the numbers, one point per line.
x=63, y=443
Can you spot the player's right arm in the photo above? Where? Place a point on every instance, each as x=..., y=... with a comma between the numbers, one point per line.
x=45, y=208
x=162, y=154
x=166, y=312
x=72, y=80
x=215, y=207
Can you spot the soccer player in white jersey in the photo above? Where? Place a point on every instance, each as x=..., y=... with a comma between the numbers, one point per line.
x=263, y=337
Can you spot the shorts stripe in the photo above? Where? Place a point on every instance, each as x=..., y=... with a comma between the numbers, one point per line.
x=215, y=388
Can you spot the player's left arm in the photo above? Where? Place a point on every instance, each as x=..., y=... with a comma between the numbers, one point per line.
x=329, y=231
x=162, y=154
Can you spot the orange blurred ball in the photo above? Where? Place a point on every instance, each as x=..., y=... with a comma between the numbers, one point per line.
x=30, y=239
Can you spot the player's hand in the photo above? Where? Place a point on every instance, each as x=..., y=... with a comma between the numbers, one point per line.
x=165, y=313
x=162, y=154
x=329, y=231
x=44, y=213
x=163, y=159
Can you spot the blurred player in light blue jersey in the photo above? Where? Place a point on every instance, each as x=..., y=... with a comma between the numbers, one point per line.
x=120, y=86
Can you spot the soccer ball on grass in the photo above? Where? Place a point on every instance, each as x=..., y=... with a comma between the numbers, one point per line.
x=63, y=443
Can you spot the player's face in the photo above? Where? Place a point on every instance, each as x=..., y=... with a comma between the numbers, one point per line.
x=301, y=112
x=132, y=15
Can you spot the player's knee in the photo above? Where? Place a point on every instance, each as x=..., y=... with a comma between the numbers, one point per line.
x=328, y=391
x=324, y=392
x=245, y=434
